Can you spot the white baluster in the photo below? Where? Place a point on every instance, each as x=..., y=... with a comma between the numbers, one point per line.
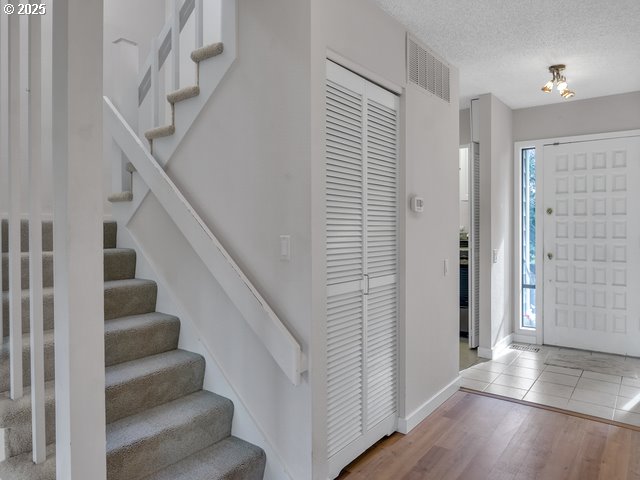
x=125, y=96
x=155, y=87
x=15, y=179
x=38, y=425
x=198, y=19
x=4, y=126
x=175, y=45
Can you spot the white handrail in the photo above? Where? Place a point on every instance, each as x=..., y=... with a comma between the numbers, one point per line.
x=279, y=342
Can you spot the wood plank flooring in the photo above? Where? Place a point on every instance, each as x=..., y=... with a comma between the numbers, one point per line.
x=474, y=437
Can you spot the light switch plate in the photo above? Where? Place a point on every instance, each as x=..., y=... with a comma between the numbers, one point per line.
x=285, y=248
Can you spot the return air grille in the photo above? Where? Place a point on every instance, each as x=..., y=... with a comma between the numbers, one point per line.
x=426, y=71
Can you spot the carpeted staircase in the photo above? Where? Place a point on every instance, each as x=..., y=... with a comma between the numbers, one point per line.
x=161, y=424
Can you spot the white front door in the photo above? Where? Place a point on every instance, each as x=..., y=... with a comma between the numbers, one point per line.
x=591, y=209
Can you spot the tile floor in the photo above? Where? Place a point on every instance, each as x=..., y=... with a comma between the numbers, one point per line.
x=468, y=357
x=525, y=376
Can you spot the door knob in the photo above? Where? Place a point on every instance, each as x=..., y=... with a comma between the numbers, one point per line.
x=549, y=211
x=550, y=256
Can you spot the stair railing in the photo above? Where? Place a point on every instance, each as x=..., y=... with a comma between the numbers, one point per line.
x=274, y=335
x=20, y=131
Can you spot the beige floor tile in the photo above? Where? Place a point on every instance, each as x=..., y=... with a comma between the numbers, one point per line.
x=523, y=372
x=598, y=386
x=590, y=409
x=632, y=382
x=564, y=370
x=508, y=356
x=628, y=404
x=545, y=399
x=553, y=389
x=515, y=382
x=559, y=378
x=490, y=366
x=627, y=417
x=602, y=377
x=481, y=375
x=534, y=355
x=597, y=398
x=473, y=384
x=529, y=363
x=629, y=392
x=505, y=391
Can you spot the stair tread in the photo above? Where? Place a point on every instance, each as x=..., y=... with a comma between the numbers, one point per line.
x=13, y=412
x=117, y=377
x=228, y=458
x=158, y=331
x=123, y=372
x=160, y=132
x=142, y=320
x=108, y=285
x=136, y=428
x=144, y=443
x=183, y=94
x=21, y=467
x=207, y=51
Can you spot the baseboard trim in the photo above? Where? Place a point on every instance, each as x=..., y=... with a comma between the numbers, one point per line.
x=497, y=349
x=405, y=425
x=530, y=339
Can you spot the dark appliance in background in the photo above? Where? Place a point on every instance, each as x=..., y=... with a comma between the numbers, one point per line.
x=464, y=284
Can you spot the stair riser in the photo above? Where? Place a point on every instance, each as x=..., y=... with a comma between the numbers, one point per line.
x=18, y=437
x=126, y=345
x=49, y=365
x=47, y=305
x=109, y=235
x=119, y=265
x=118, y=302
x=155, y=453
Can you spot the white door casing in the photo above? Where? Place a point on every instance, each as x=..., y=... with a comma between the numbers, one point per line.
x=592, y=245
x=362, y=257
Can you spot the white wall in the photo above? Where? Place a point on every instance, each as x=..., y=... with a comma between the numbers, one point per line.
x=578, y=117
x=244, y=166
x=373, y=44
x=496, y=222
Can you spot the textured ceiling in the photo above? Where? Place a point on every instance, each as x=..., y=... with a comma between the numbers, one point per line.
x=505, y=46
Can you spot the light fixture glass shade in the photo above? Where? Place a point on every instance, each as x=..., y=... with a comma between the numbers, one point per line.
x=566, y=93
x=548, y=87
x=562, y=84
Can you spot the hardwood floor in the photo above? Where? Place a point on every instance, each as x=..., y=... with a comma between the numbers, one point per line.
x=476, y=437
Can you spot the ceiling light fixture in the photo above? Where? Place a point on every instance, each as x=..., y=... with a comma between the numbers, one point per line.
x=559, y=80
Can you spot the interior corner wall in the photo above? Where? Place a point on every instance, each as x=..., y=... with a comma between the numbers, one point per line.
x=465, y=127
x=374, y=43
x=496, y=223
x=613, y=113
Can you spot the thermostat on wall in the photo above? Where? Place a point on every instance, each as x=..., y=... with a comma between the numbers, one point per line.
x=417, y=204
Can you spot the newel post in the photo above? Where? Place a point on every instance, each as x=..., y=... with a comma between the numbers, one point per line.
x=78, y=239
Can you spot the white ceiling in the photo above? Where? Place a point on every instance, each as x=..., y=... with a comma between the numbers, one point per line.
x=505, y=46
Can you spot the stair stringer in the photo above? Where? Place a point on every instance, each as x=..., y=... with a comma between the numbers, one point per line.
x=217, y=378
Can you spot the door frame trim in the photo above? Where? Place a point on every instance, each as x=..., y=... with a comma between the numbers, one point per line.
x=520, y=334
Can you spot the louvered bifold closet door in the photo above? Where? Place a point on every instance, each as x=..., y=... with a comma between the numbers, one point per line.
x=361, y=209
x=381, y=254
x=345, y=261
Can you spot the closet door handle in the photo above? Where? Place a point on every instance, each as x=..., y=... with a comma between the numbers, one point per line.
x=365, y=284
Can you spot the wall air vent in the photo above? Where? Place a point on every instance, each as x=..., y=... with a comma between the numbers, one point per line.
x=427, y=71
